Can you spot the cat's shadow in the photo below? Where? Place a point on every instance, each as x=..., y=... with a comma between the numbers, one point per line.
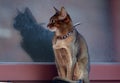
x=36, y=40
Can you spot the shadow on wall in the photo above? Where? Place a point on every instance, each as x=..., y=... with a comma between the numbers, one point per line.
x=36, y=40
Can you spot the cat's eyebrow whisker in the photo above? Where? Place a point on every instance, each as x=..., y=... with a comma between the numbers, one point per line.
x=76, y=24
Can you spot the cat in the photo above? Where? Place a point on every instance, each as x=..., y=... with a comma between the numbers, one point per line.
x=70, y=48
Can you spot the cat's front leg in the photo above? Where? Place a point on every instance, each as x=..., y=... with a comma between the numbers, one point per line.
x=68, y=62
x=61, y=71
x=77, y=72
x=59, y=62
x=80, y=70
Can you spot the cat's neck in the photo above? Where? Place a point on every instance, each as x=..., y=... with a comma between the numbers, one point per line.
x=64, y=32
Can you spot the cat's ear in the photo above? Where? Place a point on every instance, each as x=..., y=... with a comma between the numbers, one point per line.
x=18, y=11
x=56, y=9
x=63, y=13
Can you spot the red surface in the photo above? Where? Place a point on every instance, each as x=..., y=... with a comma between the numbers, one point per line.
x=105, y=72
x=47, y=72
x=27, y=72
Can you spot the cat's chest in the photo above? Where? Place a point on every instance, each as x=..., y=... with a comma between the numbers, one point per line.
x=65, y=43
x=58, y=44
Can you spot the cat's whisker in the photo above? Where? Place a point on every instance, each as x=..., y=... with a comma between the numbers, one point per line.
x=76, y=24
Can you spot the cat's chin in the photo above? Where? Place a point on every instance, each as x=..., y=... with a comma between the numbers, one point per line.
x=53, y=29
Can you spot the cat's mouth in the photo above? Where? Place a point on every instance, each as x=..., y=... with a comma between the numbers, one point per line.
x=53, y=29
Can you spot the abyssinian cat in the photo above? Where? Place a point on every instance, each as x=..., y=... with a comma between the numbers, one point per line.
x=70, y=48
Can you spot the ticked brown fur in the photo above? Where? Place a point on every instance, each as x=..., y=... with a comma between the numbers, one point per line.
x=71, y=53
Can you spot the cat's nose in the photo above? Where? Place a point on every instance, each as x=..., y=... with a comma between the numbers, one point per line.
x=47, y=25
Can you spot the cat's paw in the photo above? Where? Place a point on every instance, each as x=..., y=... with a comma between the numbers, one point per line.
x=75, y=78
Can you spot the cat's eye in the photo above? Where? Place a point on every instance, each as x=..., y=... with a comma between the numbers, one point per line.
x=52, y=21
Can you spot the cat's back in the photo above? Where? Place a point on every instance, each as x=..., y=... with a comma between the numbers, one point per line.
x=82, y=47
x=79, y=38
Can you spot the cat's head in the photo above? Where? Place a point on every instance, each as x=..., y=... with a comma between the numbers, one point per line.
x=60, y=20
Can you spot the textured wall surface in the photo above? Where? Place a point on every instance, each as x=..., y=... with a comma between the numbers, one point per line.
x=94, y=15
